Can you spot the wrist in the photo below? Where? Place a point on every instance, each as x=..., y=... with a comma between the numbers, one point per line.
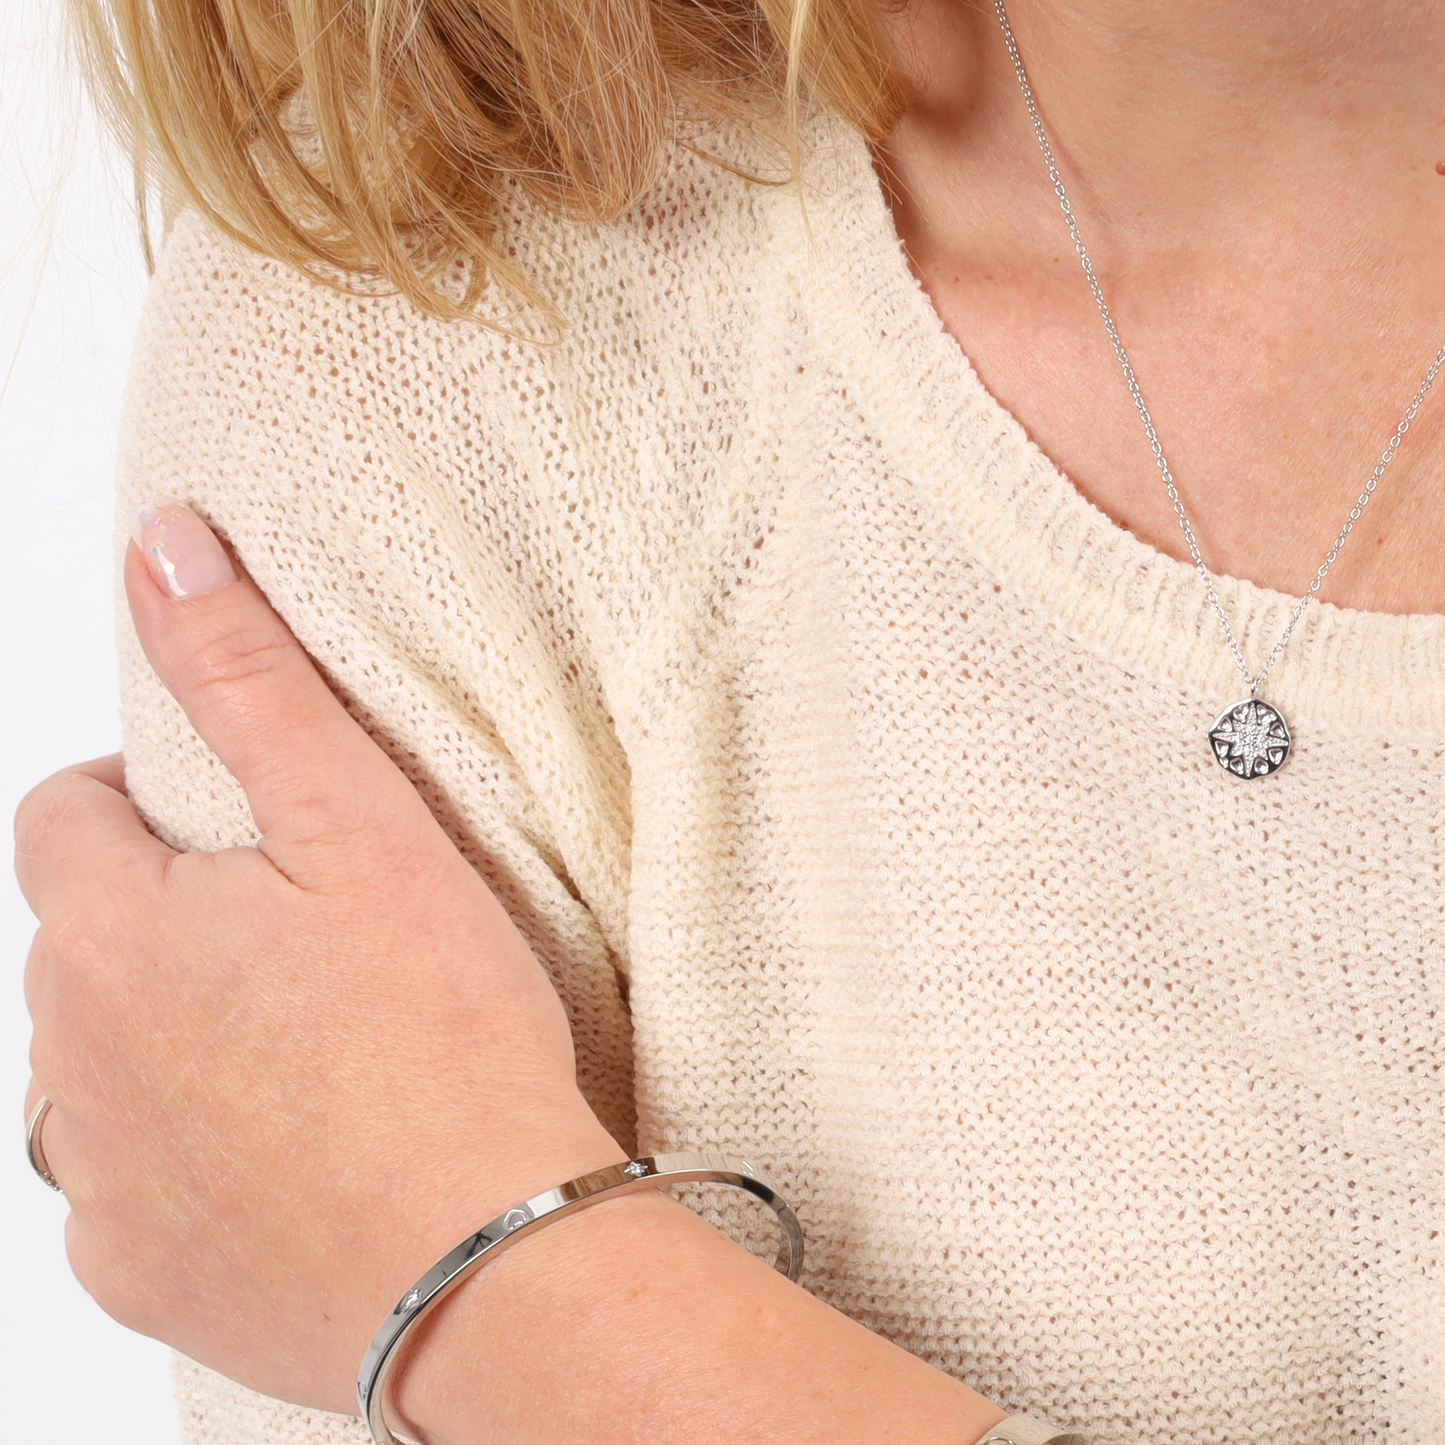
x=527, y=1218
x=422, y=1214
x=636, y=1321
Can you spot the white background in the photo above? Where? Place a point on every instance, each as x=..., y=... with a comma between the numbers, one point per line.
x=71, y=283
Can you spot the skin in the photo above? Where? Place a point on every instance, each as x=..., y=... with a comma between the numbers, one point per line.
x=1278, y=292
x=1258, y=187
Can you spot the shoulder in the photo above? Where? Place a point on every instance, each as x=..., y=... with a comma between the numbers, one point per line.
x=689, y=260
x=712, y=200
x=659, y=309
x=603, y=446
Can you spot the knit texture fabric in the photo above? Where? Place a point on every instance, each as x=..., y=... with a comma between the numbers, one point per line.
x=847, y=770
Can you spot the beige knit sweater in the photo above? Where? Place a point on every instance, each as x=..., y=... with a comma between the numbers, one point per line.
x=847, y=770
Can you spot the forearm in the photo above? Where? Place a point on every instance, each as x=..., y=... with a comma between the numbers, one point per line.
x=636, y=1321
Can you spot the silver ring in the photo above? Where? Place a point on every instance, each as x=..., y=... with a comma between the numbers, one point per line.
x=35, y=1150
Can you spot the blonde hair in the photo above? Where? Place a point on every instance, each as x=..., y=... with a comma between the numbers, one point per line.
x=376, y=138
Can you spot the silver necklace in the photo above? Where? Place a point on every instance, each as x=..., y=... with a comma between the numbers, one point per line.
x=1250, y=738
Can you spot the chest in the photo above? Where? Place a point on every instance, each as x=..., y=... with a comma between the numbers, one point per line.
x=1030, y=1006
x=1272, y=416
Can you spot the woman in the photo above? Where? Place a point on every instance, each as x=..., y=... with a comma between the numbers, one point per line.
x=877, y=788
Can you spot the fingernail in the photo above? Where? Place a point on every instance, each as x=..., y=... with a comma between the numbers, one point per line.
x=181, y=551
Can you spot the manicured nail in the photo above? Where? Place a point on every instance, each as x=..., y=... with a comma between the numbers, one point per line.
x=182, y=552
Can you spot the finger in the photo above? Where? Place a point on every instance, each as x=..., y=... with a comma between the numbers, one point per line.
x=310, y=773
x=75, y=826
x=36, y=973
x=109, y=770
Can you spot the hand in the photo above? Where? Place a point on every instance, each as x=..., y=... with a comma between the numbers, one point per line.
x=285, y=1078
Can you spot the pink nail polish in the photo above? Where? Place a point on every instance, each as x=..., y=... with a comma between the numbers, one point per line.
x=182, y=552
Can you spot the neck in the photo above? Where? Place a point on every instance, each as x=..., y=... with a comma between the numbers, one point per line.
x=1188, y=114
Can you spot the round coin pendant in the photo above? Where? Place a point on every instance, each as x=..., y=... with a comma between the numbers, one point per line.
x=1250, y=739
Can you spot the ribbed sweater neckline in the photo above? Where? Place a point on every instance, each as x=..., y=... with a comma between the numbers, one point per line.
x=1125, y=601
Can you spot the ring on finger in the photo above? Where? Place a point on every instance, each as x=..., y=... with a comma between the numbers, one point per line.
x=35, y=1149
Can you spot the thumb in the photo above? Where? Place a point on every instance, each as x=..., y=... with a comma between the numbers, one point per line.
x=312, y=776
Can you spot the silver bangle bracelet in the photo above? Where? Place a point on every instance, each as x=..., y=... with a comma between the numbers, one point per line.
x=527, y=1218
x=1021, y=1430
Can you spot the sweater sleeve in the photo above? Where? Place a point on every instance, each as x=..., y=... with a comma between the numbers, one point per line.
x=359, y=461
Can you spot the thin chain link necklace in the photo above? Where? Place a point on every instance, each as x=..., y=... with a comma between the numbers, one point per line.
x=1249, y=739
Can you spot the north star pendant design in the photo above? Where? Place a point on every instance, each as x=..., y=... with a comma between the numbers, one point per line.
x=1250, y=739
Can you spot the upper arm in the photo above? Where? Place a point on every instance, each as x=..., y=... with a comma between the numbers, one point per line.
x=356, y=456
